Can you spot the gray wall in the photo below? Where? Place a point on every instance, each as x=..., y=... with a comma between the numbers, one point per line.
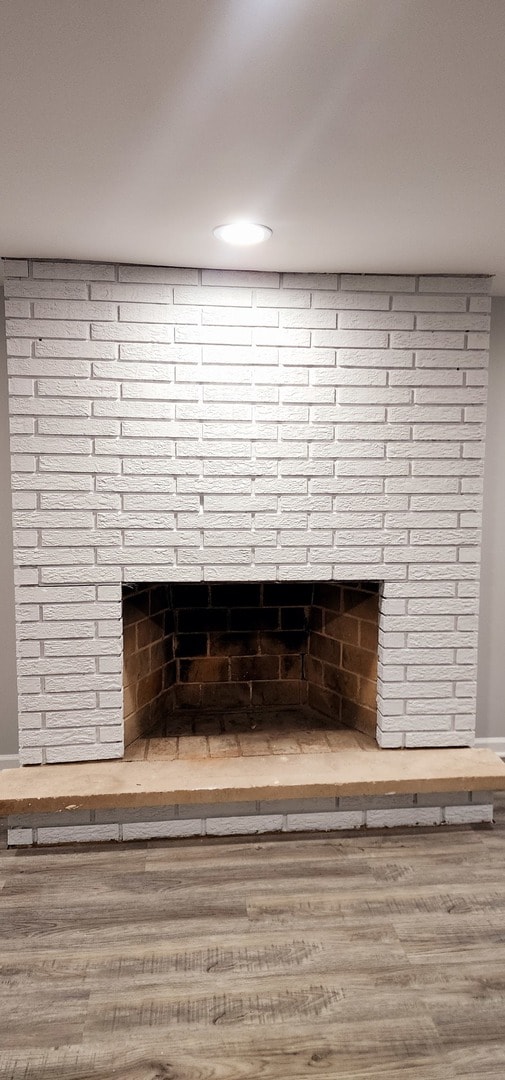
x=491, y=697
x=8, y=700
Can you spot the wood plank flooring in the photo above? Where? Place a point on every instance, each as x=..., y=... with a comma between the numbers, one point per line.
x=370, y=957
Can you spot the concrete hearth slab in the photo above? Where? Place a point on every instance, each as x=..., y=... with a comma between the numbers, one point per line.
x=114, y=784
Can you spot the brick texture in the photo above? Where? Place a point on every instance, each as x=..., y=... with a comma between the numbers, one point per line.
x=229, y=645
x=177, y=425
x=235, y=819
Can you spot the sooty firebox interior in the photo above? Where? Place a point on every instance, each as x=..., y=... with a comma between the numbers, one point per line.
x=204, y=659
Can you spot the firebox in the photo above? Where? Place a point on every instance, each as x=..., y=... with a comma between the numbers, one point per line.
x=196, y=654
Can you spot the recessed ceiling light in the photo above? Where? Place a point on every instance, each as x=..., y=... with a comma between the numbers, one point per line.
x=242, y=233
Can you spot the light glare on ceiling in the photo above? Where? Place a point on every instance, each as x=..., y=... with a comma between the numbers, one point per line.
x=242, y=233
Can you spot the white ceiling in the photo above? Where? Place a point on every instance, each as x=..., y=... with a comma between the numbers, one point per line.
x=369, y=134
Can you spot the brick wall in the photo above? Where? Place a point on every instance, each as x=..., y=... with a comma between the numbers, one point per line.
x=186, y=425
x=341, y=665
x=149, y=666
x=231, y=645
x=240, y=644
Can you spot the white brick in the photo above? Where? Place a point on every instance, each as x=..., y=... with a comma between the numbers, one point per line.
x=455, y=284
x=165, y=275
x=448, y=357
x=322, y=822
x=224, y=316
x=151, y=429
x=41, y=445
x=480, y=303
x=426, y=340
x=146, y=400
x=70, y=834
x=278, y=298
x=246, y=278
x=19, y=347
x=15, y=268
x=430, y=377
x=343, y=301
x=411, y=723
x=79, y=738
x=311, y=281
x=364, y=394
x=229, y=353
x=419, y=302
x=375, y=320
x=19, y=837
x=323, y=318
x=77, y=426
x=281, y=336
x=437, y=414
x=461, y=395
x=55, y=328
x=17, y=309
x=76, y=718
x=157, y=313
x=244, y=826
x=60, y=754
x=80, y=388
x=117, y=291
x=57, y=702
x=52, y=290
x=37, y=367
x=438, y=738
x=73, y=271
x=367, y=378
x=389, y=740
x=415, y=815
x=465, y=815
x=129, y=331
x=452, y=321
x=350, y=339
x=74, y=309
x=147, y=351
x=153, y=830
x=382, y=283
x=371, y=358
x=136, y=372
x=39, y=407
x=243, y=393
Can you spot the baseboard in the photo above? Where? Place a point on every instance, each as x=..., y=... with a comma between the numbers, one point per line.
x=496, y=745
x=9, y=761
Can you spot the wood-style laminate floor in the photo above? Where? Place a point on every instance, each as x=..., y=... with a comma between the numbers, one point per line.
x=236, y=733
x=360, y=957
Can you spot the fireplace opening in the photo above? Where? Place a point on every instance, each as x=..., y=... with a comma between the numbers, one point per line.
x=248, y=661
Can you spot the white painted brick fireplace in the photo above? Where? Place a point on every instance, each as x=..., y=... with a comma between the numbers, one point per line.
x=172, y=425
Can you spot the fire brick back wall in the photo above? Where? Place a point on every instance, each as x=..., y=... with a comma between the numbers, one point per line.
x=240, y=645
x=188, y=425
x=232, y=645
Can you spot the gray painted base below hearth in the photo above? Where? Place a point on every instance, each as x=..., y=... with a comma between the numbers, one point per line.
x=242, y=819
